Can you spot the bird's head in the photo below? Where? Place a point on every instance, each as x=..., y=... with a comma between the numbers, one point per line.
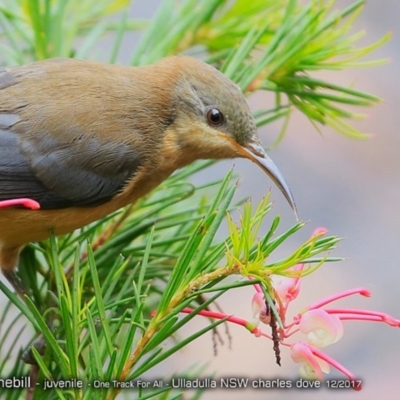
x=213, y=119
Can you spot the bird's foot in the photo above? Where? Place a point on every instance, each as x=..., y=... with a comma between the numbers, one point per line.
x=40, y=345
x=16, y=283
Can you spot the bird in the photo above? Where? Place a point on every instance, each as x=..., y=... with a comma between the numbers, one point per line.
x=81, y=139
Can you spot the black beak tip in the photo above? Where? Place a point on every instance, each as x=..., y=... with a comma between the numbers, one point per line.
x=257, y=154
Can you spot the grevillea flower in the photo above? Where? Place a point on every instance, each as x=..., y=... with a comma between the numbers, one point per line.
x=321, y=326
x=260, y=309
x=312, y=366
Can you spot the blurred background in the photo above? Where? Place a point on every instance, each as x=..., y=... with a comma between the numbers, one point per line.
x=352, y=188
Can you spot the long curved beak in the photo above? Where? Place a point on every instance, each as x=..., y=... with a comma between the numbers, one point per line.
x=255, y=152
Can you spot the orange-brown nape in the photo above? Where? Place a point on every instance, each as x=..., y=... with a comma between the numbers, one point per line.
x=84, y=139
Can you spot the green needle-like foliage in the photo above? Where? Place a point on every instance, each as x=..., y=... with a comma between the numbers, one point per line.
x=108, y=297
x=115, y=305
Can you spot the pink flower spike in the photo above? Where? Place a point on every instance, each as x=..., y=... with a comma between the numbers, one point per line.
x=322, y=329
x=362, y=291
x=312, y=367
x=27, y=203
x=231, y=318
x=287, y=288
x=352, y=378
x=260, y=309
x=257, y=303
x=256, y=286
x=315, y=363
x=363, y=315
x=319, y=231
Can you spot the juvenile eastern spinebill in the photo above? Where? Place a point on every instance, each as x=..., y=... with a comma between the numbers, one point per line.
x=84, y=139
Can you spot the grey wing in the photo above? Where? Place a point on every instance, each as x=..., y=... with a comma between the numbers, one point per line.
x=84, y=172
x=66, y=168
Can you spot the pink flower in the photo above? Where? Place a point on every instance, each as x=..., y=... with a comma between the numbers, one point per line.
x=322, y=328
x=287, y=288
x=312, y=367
x=260, y=309
x=321, y=325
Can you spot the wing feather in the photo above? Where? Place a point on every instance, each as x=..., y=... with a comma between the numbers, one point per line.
x=67, y=168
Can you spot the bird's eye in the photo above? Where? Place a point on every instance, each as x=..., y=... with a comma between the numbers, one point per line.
x=215, y=117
